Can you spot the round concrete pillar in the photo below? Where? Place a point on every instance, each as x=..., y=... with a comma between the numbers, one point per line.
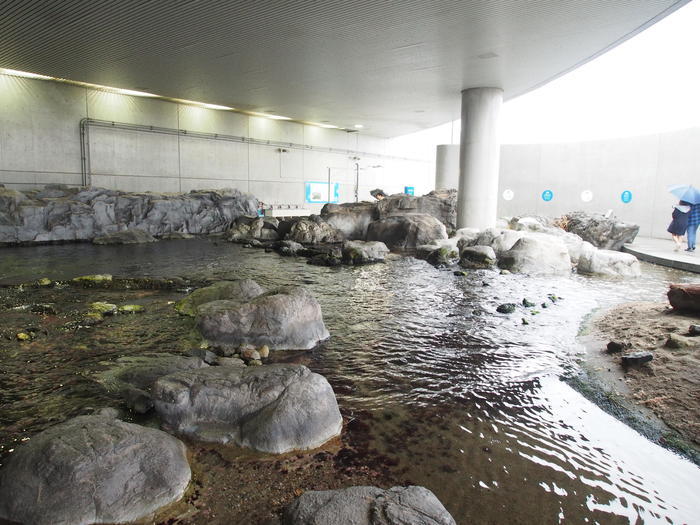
x=479, y=158
x=447, y=167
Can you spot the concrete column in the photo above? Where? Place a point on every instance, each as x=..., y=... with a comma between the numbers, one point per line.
x=479, y=158
x=447, y=167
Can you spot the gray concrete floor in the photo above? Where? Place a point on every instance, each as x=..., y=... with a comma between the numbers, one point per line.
x=661, y=251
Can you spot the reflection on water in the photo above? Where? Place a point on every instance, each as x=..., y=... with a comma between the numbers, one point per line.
x=467, y=401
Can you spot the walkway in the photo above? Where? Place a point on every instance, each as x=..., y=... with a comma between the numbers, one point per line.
x=660, y=251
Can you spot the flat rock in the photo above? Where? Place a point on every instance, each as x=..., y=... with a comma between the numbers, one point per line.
x=608, y=262
x=364, y=252
x=637, y=358
x=133, y=236
x=406, y=232
x=283, y=319
x=273, y=408
x=92, y=469
x=240, y=289
x=368, y=506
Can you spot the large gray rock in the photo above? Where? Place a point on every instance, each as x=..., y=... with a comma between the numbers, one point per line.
x=441, y=204
x=240, y=289
x=608, y=262
x=314, y=230
x=246, y=229
x=290, y=248
x=92, y=469
x=406, y=232
x=364, y=252
x=274, y=408
x=132, y=377
x=85, y=213
x=537, y=254
x=351, y=218
x=476, y=257
x=286, y=318
x=501, y=240
x=607, y=233
x=368, y=506
x=132, y=236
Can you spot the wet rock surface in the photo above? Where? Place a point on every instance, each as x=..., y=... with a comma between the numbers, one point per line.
x=608, y=262
x=80, y=214
x=275, y=408
x=314, y=230
x=364, y=252
x=475, y=257
x=542, y=255
x=368, y=506
x=93, y=469
x=240, y=289
x=441, y=204
x=352, y=218
x=286, y=318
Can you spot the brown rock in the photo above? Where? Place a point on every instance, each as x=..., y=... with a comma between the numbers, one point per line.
x=685, y=297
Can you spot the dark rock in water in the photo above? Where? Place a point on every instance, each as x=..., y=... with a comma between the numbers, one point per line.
x=273, y=408
x=92, y=469
x=286, y=318
x=460, y=273
x=289, y=248
x=442, y=257
x=637, y=358
x=133, y=377
x=441, y=204
x=241, y=289
x=694, y=329
x=133, y=236
x=368, y=506
x=87, y=213
x=205, y=355
x=684, y=297
x=614, y=347
x=403, y=232
x=43, y=309
x=253, y=230
x=310, y=231
x=524, y=321
x=603, y=232
x=351, y=218
x=528, y=304
x=506, y=308
x=324, y=259
x=476, y=257
x=364, y=252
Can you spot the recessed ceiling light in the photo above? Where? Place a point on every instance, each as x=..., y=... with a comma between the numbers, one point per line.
x=267, y=115
x=131, y=92
x=212, y=106
x=359, y=126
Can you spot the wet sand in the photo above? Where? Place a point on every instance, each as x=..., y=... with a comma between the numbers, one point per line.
x=669, y=385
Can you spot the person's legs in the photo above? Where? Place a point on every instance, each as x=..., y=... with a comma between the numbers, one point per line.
x=678, y=240
x=692, y=231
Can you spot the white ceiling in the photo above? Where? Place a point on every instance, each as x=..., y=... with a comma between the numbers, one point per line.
x=395, y=66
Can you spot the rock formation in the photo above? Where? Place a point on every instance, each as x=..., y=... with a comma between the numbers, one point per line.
x=92, y=469
x=273, y=408
x=406, y=232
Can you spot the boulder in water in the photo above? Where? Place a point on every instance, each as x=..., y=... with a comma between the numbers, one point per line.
x=351, y=218
x=402, y=232
x=537, y=255
x=314, y=230
x=441, y=204
x=608, y=262
x=476, y=257
x=286, y=318
x=240, y=289
x=92, y=469
x=368, y=506
x=274, y=408
x=364, y=252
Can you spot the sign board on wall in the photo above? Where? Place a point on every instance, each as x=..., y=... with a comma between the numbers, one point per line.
x=409, y=190
x=317, y=192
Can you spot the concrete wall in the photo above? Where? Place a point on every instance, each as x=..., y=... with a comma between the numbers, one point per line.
x=644, y=165
x=40, y=143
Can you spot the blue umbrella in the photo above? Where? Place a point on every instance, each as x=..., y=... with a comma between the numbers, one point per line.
x=686, y=192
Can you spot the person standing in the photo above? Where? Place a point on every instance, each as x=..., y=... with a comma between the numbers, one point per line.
x=693, y=222
x=679, y=224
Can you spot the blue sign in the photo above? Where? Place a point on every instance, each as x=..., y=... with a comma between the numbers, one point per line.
x=317, y=192
x=626, y=196
x=408, y=190
x=547, y=195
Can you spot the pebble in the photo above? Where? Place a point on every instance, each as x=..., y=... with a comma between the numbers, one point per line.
x=694, y=329
x=250, y=353
x=524, y=321
x=131, y=309
x=264, y=351
x=506, y=308
x=527, y=303
x=255, y=362
x=104, y=308
x=614, y=347
x=22, y=336
x=637, y=358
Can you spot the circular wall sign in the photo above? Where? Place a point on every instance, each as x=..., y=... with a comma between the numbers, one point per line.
x=587, y=196
x=508, y=195
x=547, y=195
x=626, y=196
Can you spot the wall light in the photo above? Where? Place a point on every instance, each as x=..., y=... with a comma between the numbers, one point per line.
x=25, y=74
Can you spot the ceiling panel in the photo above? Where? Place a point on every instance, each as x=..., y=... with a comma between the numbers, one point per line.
x=394, y=66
